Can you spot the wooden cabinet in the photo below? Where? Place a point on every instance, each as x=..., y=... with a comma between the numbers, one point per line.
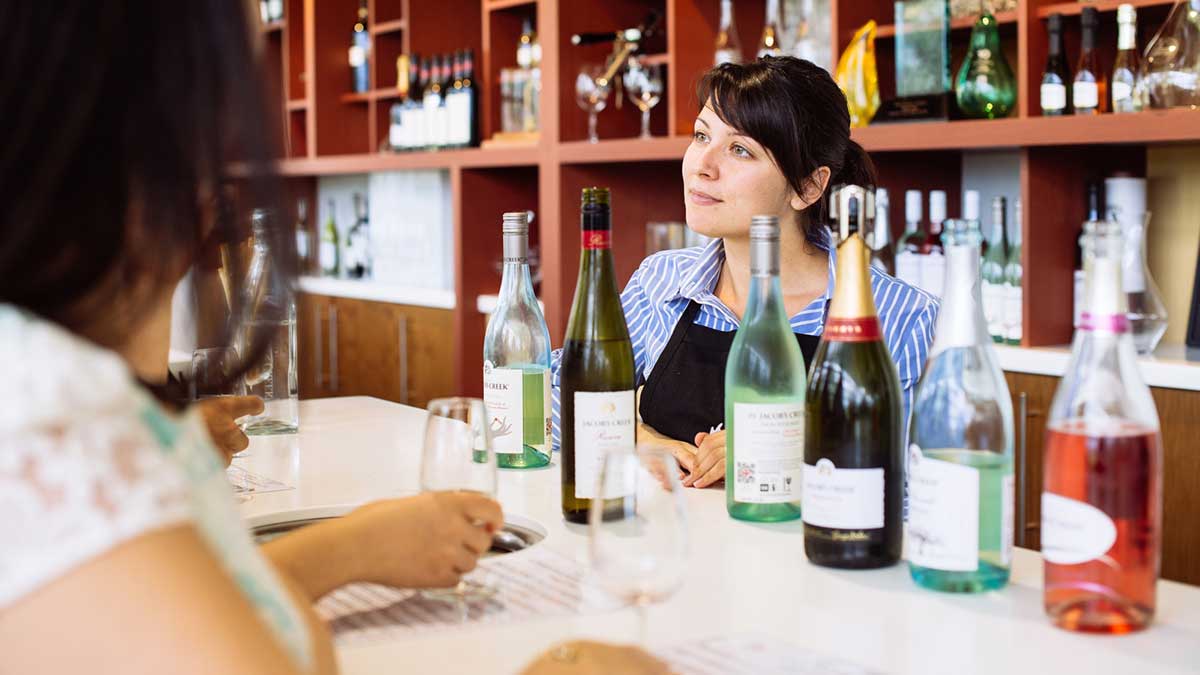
x=353, y=347
x=1179, y=415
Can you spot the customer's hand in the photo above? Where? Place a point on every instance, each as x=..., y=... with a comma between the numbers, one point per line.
x=710, y=460
x=684, y=453
x=426, y=541
x=584, y=657
x=220, y=416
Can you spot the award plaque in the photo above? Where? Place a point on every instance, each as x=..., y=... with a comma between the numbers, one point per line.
x=922, y=63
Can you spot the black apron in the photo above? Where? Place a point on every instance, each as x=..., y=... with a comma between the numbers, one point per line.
x=685, y=393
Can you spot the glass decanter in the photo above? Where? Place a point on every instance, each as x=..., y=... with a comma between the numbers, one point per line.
x=1147, y=313
x=1171, y=67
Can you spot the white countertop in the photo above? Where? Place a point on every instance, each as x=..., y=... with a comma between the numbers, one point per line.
x=743, y=578
x=378, y=292
x=1173, y=366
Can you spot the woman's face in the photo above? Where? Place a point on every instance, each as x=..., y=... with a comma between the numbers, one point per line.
x=729, y=177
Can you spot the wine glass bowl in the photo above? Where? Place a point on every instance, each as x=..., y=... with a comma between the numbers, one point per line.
x=644, y=86
x=591, y=93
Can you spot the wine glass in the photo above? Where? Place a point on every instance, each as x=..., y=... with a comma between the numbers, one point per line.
x=212, y=373
x=457, y=455
x=638, y=528
x=644, y=84
x=591, y=92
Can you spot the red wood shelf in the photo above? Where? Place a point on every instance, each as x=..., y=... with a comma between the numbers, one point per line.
x=297, y=104
x=961, y=23
x=507, y=4
x=273, y=26
x=1076, y=8
x=385, y=27
x=469, y=158
x=373, y=95
x=655, y=59
x=623, y=150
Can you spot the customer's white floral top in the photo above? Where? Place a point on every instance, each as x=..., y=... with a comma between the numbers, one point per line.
x=88, y=460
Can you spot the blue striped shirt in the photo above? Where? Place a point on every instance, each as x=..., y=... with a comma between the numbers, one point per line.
x=661, y=288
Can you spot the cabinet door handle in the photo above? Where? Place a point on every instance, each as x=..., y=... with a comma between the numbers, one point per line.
x=402, y=343
x=333, y=348
x=1022, y=422
x=319, y=352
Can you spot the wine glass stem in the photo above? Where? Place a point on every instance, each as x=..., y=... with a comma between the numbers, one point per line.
x=645, y=124
x=592, y=136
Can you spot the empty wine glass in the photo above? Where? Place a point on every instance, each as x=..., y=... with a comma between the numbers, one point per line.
x=457, y=455
x=639, y=547
x=591, y=92
x=644, y=84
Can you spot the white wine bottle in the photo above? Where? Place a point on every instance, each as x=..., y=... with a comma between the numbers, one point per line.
x=516, y=359
x=764, y=395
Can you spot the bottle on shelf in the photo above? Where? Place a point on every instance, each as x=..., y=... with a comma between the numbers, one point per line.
x=992, y=273
x=414, y=106
x=303, y=247
x=1093, y=213
x=527, y=86
x=1089, y=92
x=516, y=359
x=808, y=22
x=431, y=100
x=1056, y=78
x=960, y=461
x=1171, y=67
x=442, y=117
x=729, y=47
x=597, y=376
x=852, y=498
x=985, y=87
x=1014, y=279
x=526, y=44
x=358, y=241
x=970, y=210
x=933, y=258
x=396, y=140
x=908, y=250
x=331, y=250
x=1126, y=85
x=1101, y=530
x=360, y=51
x=764, y=407
x=768, y=43
x=1125, y=204
x=463, y=104
x=883, y=255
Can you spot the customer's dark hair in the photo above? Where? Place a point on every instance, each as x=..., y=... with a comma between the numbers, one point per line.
x=797, y=112
x=121, y=120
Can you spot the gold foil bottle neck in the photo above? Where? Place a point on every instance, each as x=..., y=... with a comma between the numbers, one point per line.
x=852, y=297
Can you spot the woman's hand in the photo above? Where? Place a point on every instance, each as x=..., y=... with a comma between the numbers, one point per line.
x=220, y=416
x=710, y=460
x=585, y=657
x=684, y=453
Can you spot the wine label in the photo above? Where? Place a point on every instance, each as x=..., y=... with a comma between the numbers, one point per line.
x=503, y=396
x=396, y=136
x=993, y=307
x=908, y=268
x=1054, y=96
x=358, y=56
x=933, y=273
x=328, y=255
x=604, y=422
x=1121, y=91
x=1074, y=532
x=1008, y=490
x=1012, y=312
x=1085, y=95
x=943, y=514
x=843, y=499
x=860, y=329
x=596, y=239
x=768, y=452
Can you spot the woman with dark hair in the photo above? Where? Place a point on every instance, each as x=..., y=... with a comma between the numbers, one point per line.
x=771, y=138
x=121, y=548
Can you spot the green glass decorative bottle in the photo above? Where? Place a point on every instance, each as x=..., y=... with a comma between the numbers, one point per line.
x=985, y=87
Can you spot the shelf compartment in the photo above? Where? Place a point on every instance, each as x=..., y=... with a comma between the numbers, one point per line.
x=389, y=27
x=1076, y=8
x=436, y=159
x=961, y=23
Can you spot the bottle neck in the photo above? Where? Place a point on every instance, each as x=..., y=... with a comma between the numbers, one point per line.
x=1127, y=36
x=1055, y=47
x=1087, y=41
x=766, y=294
x=726, y=14
x=960, y=321
x=852, y=315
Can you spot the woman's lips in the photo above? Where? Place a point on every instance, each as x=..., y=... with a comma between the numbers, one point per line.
x=702, y=198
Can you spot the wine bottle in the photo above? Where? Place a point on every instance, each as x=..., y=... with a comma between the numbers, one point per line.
x=516, y=359
x=1126, y=89
x=358, y=241
x=360, y=51
x=852, y=498
x=1014, y=280
x=908, y=250
x=1089, y=92
x=883, y=256
x=525, y=45
x=431, y=100
x=960, y=463
x=768, y=43
x=993, y=273
x=445, y=78
x=1056, y=78
x=331, y=250
x=933, y=258
x=764, y=406
x=469, y=111
x=729, y=48
x=985, y=86
x=597, y=376
x=303, y=252
x=1101, y=530
x=396, y=129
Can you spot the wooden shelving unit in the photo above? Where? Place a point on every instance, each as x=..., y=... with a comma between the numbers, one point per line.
x=888, y=30
x=332, y=131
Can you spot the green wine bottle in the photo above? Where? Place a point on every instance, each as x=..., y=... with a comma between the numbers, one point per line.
x=764, y=395
x=986, y=87
x=853, y=463
x=330, y=251
x=597, y=371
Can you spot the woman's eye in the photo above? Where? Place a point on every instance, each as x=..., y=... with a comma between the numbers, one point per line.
x=699, y=136
x=740, y=151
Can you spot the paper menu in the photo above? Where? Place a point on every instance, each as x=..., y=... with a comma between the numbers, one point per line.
x=752, y=655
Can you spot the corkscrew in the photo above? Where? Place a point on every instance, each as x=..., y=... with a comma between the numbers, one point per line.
x=625, y=43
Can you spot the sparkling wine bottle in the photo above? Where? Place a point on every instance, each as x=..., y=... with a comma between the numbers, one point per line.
x=1014, y=284
x=764, y=395
x=1056, y=78
x=852, y=498
x=768, y=43
x=960, y=462
x=993, y=273
x=908, y=250
x=729, y=47
x=933, y=256
x=883, y=255
x=516, y=359
x=1102, y=478
x=597, y=373
x=1089, y=93
x=1126, y=79
x=360, y=51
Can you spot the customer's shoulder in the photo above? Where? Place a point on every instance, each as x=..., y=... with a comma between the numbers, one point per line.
x=896, y=297
x=678, y=260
